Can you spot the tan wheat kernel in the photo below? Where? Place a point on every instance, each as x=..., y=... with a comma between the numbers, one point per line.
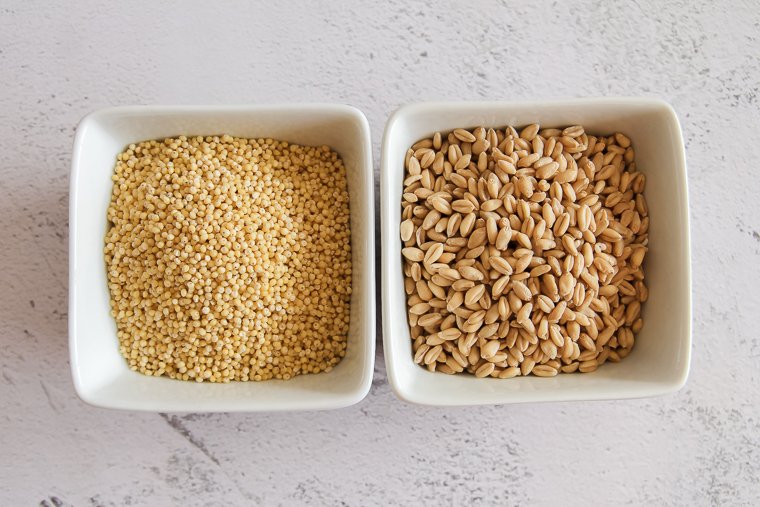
x=523, y=250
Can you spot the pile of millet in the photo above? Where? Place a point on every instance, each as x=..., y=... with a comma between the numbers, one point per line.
x=229, y=258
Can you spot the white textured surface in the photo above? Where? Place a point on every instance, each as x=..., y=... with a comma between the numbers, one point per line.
x=59, y=61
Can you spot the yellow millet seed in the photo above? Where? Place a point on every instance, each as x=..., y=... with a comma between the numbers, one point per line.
x=229, y=258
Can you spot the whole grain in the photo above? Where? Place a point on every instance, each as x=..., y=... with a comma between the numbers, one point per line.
x=229, y=258
x=525, y=250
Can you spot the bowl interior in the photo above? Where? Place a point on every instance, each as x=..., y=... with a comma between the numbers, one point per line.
x=100, y=373
x=660, y=359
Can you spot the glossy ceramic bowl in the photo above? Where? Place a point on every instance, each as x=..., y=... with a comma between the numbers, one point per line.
x=659, y=362
x=101, y=375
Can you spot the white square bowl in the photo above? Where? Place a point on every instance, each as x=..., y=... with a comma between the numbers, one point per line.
x=659, y=363
x=101, y=375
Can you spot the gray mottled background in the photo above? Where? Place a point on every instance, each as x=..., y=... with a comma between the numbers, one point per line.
x=59, y=61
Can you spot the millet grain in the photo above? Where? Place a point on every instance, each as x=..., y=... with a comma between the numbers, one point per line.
x=229, y=258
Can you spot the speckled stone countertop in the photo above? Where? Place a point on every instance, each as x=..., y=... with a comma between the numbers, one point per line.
x=59, y=61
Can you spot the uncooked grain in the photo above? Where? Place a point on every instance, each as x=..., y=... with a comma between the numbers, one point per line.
x=524, y=252
x=229, y=258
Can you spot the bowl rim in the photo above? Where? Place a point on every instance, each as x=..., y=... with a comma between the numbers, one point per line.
x=368, y=332
x=392, y=356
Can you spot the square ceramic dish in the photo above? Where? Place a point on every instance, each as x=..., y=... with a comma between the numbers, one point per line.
x=659, y=363
x=101, y=375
